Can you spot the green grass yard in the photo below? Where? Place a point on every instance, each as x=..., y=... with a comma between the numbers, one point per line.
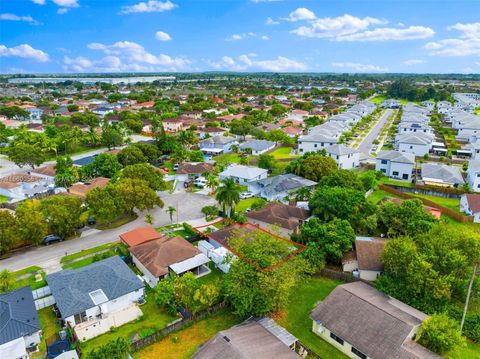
x=3, y=198
x=296, y=318
x=154, y=318
x=29, y=279
x=470, y=351
x=49, y=325
x=451, y=203
x=378, y=195
x=282, y=153
x=245, y=203
x=87, y=252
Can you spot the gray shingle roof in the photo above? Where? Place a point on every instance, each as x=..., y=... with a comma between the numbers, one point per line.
x=340, y=150
x=257, y=145
x=71, y=288
x=282, y=183
x=396, y=156
x=444, y=173
x=18, y=316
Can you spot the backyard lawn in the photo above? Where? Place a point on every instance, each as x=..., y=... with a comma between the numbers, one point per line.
x=471, y=351
x=246, y=203
x=49, y=325
x=282, y=153
x=296, y=318
x=3, y=198
x=378, y=195
x=154, y=318
x=184, y=343
x=451, y=203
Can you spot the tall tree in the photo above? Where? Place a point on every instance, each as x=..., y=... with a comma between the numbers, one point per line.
x=26, y=154
x=136, y=194
x=62, y=214
x=105, y=204
x=145, y=172
x=131, y=155
x=440, y=334
x=31, y=222
x=228, y=194
x=8, y=231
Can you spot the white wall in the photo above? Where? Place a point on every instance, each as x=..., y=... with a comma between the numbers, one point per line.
x=417, y=150
x=369, y=275
x=304, y=146
x=151, y=279
x=395, y=170
x=473, y=180
x=347, y=162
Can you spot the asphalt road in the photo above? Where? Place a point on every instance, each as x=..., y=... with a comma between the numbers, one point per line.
x=189, y=208
x=366, y=145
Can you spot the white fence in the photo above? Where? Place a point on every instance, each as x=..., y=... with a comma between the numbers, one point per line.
x=43, y=297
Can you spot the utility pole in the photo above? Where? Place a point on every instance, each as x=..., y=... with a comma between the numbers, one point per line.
x=469, y=291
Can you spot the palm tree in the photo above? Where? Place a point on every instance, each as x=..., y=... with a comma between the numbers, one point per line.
x=149, y=219
x=171, y=210
x=228, y=194
x=212, y=181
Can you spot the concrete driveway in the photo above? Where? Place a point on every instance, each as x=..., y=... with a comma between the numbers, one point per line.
x=188, y=207
x=366, y=145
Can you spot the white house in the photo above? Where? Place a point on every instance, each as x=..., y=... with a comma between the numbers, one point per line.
x=346, y=157
x=470, y=204
x=257, y=146
x=95, y=298
x=20, y=186
x=20, y=331
x=277, y=188
x=395, y=164
x=243, y=174
x=315, y=142
x=473, y=175
x=419, y=144
x=441, y=175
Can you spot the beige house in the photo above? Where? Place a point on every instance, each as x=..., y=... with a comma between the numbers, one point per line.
x=366, y=258
x=364, y=323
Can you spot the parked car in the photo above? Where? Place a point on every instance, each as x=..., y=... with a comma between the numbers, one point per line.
x=52, y=238
x=175, y=166
x=91, y=221
x=246, y=195
x=200, y=182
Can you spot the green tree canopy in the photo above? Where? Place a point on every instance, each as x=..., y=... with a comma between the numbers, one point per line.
x=32, y=226
x=131, y=155
x=62, y=214
x=313, y=166
x=145, y=172
x=8, y=231
x=440, y=334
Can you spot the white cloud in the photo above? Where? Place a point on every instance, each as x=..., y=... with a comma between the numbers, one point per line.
x=235, y=37
x=259, y=1
x=24, y=51
x=162, y=36
x=413, y=62
x=246, y=62
x=66, y=3
x=387, y=33
x=265, y=37
x=62, y=10
x=359, y=67
x=467, y=44
x=335, y=27
x=149, y=6
x=270, y=21
x=39, y=2
x=78, y=64
x=300, y=14
x=13, y=17
x=238, y=37
x=135, y=53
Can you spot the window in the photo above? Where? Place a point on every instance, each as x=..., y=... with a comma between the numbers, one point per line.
x=358, y=353
x=384, y=162
x=405, y=176
x=395, y=173
x=411, y=147
x=383, y=170
x=337, y=339
x=315, y=145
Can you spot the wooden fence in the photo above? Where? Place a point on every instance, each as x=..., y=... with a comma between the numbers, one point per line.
x=449, y=212
x=346, y=277
x=305, y=352
x=175, y=326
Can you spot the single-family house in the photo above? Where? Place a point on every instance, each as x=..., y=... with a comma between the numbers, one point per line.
x=192, y=170
x=346, y=157
x=292, y=131
x=157, y=258
x=279, y=187
x=257, y=147
x=395, y=164
x=470, y=204
x=315, y=142
x=81, y=189
x=287, y=218
x=364, y=323
x=243, y=174
x=217, y=144
x=172, y=125
x=211, y=132
x=441, y=175
x=95, y=298
x=20, y=186
x=419, y=144
x=368, y=251
x=252, y=339
x=139, y=236
x=20, y=331
x=48, y=172
x=473, y=175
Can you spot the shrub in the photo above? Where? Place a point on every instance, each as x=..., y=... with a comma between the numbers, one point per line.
x=440, y=334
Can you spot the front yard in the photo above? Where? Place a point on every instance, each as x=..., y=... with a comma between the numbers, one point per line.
x=89, y=256
x=296, y=319
x=247, y=203
x=26, y=276
x=183, y=344
x=282, y=153
x=154, y=318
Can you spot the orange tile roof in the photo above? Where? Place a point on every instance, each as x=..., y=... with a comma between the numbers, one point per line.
x=139, y=236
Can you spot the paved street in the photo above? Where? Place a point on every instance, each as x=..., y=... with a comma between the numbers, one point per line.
x=366, y=145
x=189, y=208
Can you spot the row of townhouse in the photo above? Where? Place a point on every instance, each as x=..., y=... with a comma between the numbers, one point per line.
x=414, y=134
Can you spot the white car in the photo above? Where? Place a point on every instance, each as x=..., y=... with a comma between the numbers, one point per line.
x=246, y=195
x=200, y=182
x=175, y=166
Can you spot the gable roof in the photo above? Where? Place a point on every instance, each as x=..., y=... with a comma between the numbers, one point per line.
x=473, y=202
x=139, y=236
x=218, y=140
x=444, y=173
x=240, y=171
x=281, y=183
x=81, y=189
x=257, y=145
x=71, y=288
x=340, y=150
x=285, y=216
x=357, y=313
x=18, y=315
x=48, y=170
x=369, y=251
x=396, y=156
x=159, y=254
x=248, y=340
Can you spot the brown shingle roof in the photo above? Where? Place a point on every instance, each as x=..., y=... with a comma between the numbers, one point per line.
x=369, y=251
x=140, y=235
x=159, y=254
x=277, y=213
x=81, y=189
x=48, y=170
x=223, y=235
x=194, y=168
x=473, y=202
x=372, y=322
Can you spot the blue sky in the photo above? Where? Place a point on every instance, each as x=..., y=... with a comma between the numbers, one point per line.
x=58, y=36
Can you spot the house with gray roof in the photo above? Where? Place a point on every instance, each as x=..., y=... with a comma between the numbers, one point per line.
x=417, y=143
x=97, y=297
x=442, y=175
x=364, y=323
x=243, y=174
x=346, y=157
x=395, y=164
x=257, y=146
x=20, y=331
x=217, y=144
x=277, y=188
x=473, y=174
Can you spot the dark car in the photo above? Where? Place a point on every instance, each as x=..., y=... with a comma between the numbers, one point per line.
x=52, y=238
x=91, y=221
